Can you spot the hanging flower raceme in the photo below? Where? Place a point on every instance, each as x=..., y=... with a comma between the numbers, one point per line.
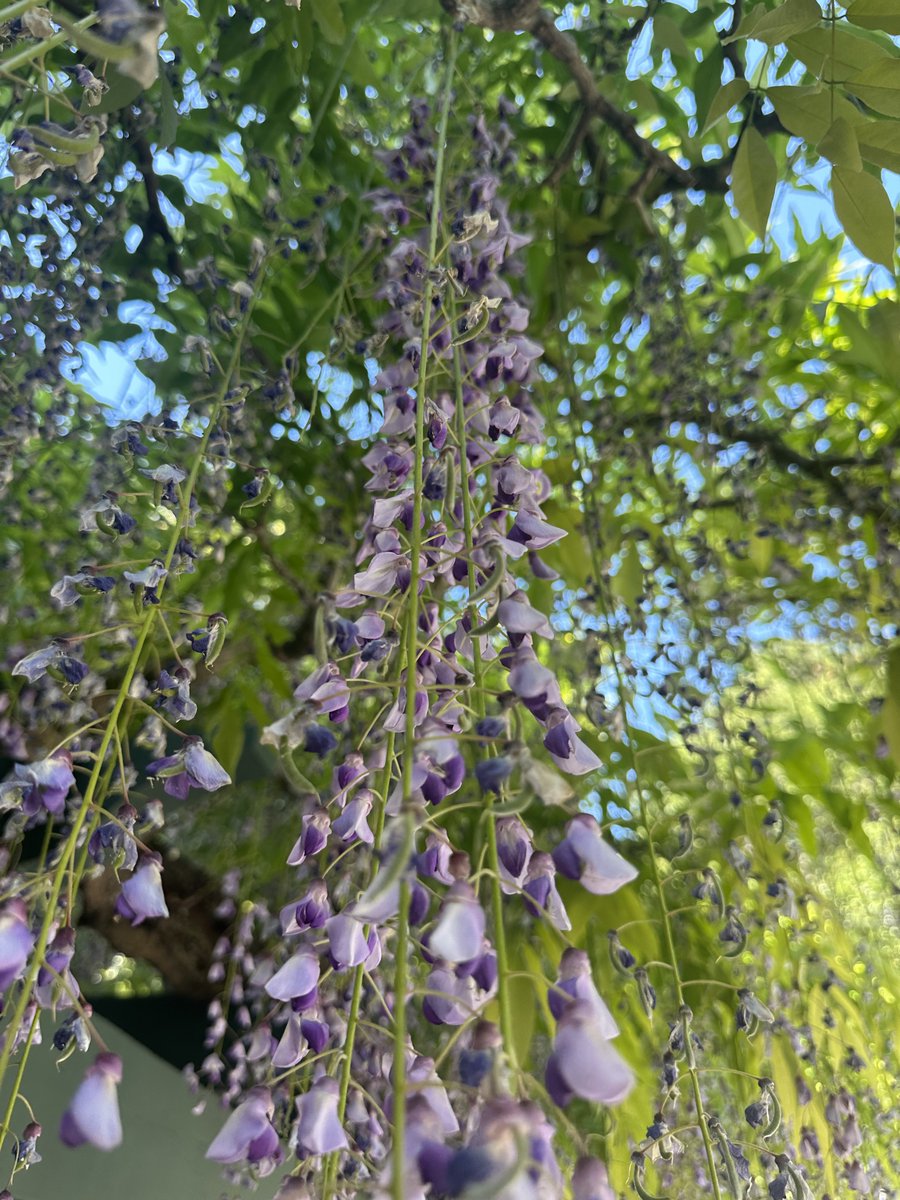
x=436, y=618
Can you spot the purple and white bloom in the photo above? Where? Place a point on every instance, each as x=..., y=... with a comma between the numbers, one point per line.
x=424, y=1080
x=353, y=823
x=112, y=843
x=166, y=474
x=248, y=1135
x=540, y=891
x=297, y=978
x=293, y=1045
x=315, y=828
x=517, y=616
x=93, y=1112
x=327, y=691
x=514, y=852
x=458, y=934
x=318, y=1129
x=69, y=590
x=449, y=999
x=44, y=784
x=584, y=1063
x=36, y=664
x=348, y=945
x=16, y=942
x=566, y=749
x=575, y=983
x=585, y=856
x=142, y=895
x=192, y=766
x=310, y=912
x=175, y=692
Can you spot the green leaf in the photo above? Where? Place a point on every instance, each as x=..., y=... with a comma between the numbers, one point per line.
x=327, y=15
x=866, y=213
x=879, y=86
x=807, y=111
x=667, y=35
x=876, y=14
x=879, y=143
x=628, y=581
x=168, y=113
x=728, y=95
x=753, y=180
x=840, y=147
x=834, y=54
x=793, y=17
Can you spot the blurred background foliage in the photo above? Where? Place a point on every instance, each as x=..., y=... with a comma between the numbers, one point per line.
x=724, y=423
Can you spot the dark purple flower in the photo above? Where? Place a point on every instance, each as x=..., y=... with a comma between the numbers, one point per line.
x=540, y=891
x=93, y=1112
x=309, y=913
x=315, y=828
x=513, y=847
x=492, y=773
x=175, y=693
x=112, y=844
x=319, y=740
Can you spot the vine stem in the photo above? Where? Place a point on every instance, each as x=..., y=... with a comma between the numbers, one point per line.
x=401, y=970
x=593, y=532
x=88, y=802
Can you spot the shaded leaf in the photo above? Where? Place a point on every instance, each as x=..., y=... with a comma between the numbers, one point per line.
x=866, y=213
x=840, y=147
x=728, y=95
x=876, y=14
x=753, y=181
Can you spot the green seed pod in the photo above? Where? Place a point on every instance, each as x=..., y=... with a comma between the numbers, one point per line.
x=685, y=835
x=217, y=625
x=735, y=1187
x=638, y=1163
x=774, y=1122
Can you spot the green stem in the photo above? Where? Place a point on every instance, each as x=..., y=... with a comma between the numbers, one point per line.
x=16, y=10
x=401, y=970
x=32, y=52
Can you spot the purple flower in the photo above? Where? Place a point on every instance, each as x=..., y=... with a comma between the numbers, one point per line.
x=293, y=1045
x=111, y=845
x=297, y=978
x=348, y=945
x=513, y=849
x=192, y=766
x=449, y=999
x=16, y=942
x=175, y=690
x=590, y=1181
x=353, y=825
x=584, y=855
x=69, y=590
x=309, y=913
x=492, y=773
x=248, y=1135
x=142, y=895
x=37, y=785
x=93, y=1112
x=315, y=828
x=584, y=1063
x=575, y=983
x=540, y=891
x=458, y=934
x=55, y=986
x=51, y=659
x=318, y=1129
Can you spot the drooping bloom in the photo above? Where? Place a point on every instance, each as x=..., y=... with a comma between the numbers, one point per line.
x=297, y=978
x=192, y=766
x=142, y=895
x=37, y=785
x=585, y=1063
x=318, y=1129
x=575, y=983
x=458, y=934
x=248, y=1135
x=93, y=1112
x=585, y=856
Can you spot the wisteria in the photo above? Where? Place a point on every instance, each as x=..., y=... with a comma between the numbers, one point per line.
x=481, y=910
